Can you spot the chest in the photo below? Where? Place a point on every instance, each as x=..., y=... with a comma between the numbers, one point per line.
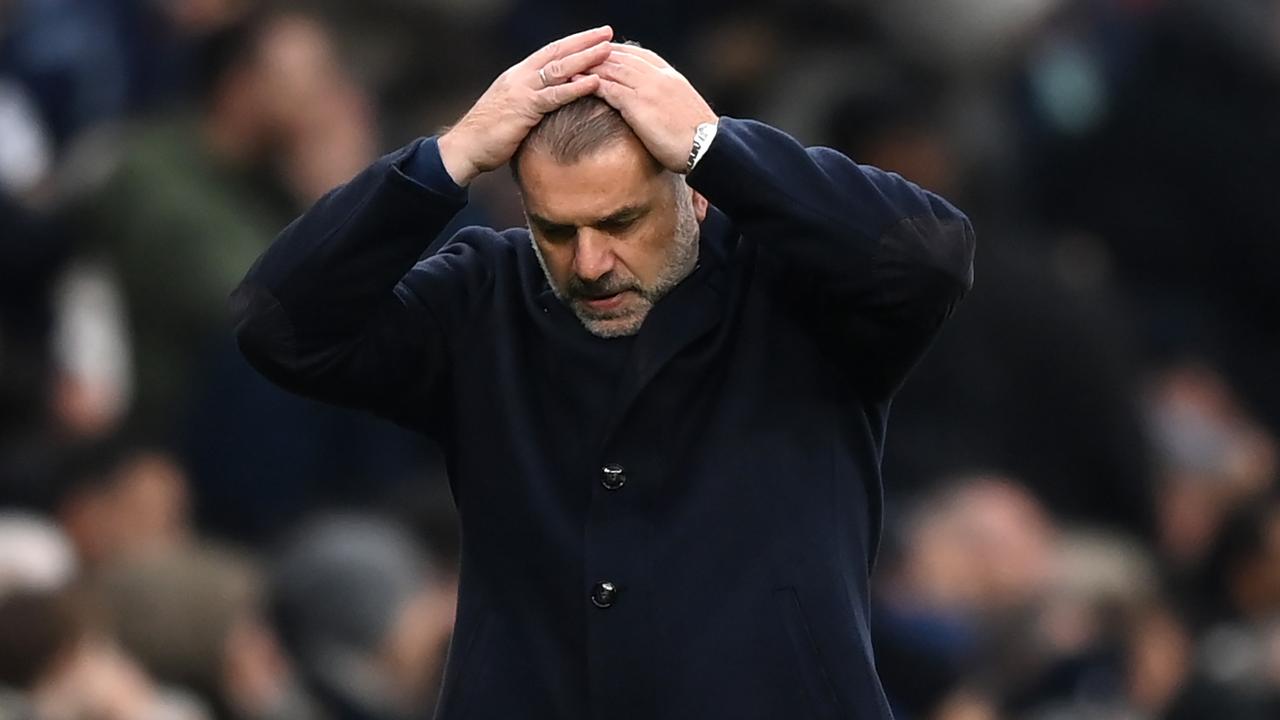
x=722, y=384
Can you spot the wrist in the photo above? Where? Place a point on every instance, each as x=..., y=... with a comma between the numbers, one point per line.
x=703, y=134
x=461, y=170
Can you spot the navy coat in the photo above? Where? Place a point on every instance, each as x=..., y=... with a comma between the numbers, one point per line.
x=720, y=470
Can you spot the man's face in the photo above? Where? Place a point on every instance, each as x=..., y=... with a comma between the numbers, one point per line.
x=613, y=231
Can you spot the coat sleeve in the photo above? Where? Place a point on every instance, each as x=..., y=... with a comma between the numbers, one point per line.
x=870, y=262
x=339, y=308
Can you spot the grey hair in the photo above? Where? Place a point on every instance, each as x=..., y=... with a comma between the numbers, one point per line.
x=572, y=131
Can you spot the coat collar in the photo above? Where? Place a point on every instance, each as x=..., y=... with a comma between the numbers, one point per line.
x=692, y=309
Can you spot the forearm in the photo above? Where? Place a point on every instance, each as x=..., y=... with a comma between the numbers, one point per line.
x=871, y=263
x=321, y=312
x=333, y=265
x=844, y=228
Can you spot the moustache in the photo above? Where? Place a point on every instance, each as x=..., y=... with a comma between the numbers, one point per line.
x=605, y=286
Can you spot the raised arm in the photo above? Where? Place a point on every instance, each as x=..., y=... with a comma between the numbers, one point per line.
x=340, y=309
x=871, y=262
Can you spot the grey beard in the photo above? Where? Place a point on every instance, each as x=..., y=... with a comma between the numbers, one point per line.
x=680, y=262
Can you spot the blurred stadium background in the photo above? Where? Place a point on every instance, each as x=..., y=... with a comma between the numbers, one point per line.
x=1083, y=518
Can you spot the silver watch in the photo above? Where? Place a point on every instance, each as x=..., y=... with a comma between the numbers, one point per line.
x=702, y=137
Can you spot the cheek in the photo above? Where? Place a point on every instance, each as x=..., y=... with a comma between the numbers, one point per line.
x=559, y=261
x=647, y=257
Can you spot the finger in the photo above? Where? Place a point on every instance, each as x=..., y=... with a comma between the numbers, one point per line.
x=648, y=55
x=567, y=46
x=617, y=72
x=551, y=97
x=557, y=71
x=638, y=66
x=616, y=94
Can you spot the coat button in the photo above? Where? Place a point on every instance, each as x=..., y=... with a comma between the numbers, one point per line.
x=612, y=477
x=604, y=594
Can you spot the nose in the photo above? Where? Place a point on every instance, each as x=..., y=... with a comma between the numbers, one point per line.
x=593, y=254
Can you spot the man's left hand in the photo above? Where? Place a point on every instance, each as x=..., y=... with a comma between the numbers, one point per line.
x=656, y=101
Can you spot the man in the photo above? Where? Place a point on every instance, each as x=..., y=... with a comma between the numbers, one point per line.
x=367, y=612
x=662, y=406
x=197, y=197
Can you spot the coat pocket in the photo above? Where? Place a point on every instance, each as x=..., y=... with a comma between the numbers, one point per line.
x=812, y=673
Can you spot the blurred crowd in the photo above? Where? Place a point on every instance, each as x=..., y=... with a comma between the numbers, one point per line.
x=1083, y=519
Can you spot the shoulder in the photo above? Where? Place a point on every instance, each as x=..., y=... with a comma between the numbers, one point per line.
x=480, y=255
x=499, y=248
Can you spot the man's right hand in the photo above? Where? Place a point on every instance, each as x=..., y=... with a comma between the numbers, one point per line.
x=491, y=131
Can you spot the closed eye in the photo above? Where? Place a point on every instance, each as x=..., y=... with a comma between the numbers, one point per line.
x=616, y=226
x=557, y=233
x=622, y=221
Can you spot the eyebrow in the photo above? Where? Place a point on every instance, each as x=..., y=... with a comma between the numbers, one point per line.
x=547, y=225
x=621, y=215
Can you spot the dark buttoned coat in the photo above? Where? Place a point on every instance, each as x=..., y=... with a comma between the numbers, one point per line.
x=688, y=532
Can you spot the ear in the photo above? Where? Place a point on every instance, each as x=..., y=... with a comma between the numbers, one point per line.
x=700, y=205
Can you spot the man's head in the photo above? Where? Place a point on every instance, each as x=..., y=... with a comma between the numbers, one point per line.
x=613, y=229
x=269, y=75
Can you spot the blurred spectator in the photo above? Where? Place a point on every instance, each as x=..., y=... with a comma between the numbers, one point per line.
x=1214, y=457
x=1104, y=646
x=38, y=629
x=970, y=565
x=98, y=681
x=367, y=614
x=192, y=617
x=1238, y=664
x=1242, y=570
x=990, y=611
x=116, y=501
x=195, y=199
x=54, y=663
x=34, y=554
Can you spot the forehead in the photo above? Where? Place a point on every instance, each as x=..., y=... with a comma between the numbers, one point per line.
x=618, y=174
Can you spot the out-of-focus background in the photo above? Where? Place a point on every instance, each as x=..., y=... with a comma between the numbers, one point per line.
x=1083, y=519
